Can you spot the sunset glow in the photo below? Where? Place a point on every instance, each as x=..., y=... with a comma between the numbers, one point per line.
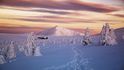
x=73, y=14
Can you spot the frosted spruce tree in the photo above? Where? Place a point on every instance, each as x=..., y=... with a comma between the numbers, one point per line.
x=11, y=53
x=107, y=36
x=31, y=48
x=86, y=38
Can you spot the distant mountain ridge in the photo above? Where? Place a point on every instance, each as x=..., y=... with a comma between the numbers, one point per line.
x=59, y=31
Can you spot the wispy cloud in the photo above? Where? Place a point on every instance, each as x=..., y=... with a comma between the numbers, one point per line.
x=66, y=5
x=117, y=13
x=73, y=14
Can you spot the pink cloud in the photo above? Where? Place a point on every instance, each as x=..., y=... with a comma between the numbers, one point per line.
x=68, y=5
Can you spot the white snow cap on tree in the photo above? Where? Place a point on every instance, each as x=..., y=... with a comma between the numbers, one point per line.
x=2, y=59
x=107, y=35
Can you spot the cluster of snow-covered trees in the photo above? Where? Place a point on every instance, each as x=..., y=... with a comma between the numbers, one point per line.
x=29, y=46
x=8, y=49
x=31, y=49
x=107, y=36
x=7, y=52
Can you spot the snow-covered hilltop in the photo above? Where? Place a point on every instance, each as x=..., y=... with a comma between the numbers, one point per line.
x=59, y=31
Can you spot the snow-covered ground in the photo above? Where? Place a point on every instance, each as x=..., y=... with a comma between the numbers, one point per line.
x=65, y=53
x=59, y=48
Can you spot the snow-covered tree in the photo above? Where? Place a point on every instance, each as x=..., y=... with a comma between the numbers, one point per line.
x=31, y=47
x=86, y=38
x=107, y=36
x=10, y=53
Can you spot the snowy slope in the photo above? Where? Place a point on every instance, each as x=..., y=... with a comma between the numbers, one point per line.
x=59, y=31
x=71, y=57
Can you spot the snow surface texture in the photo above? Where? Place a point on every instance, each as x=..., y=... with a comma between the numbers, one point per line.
x=78, y=63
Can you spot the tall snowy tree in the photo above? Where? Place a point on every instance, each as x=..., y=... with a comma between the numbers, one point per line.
x=86, y=38
x=107, y=36
x=31, y=47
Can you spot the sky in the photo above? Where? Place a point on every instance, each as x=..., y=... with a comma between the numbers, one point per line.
x=21, y=16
